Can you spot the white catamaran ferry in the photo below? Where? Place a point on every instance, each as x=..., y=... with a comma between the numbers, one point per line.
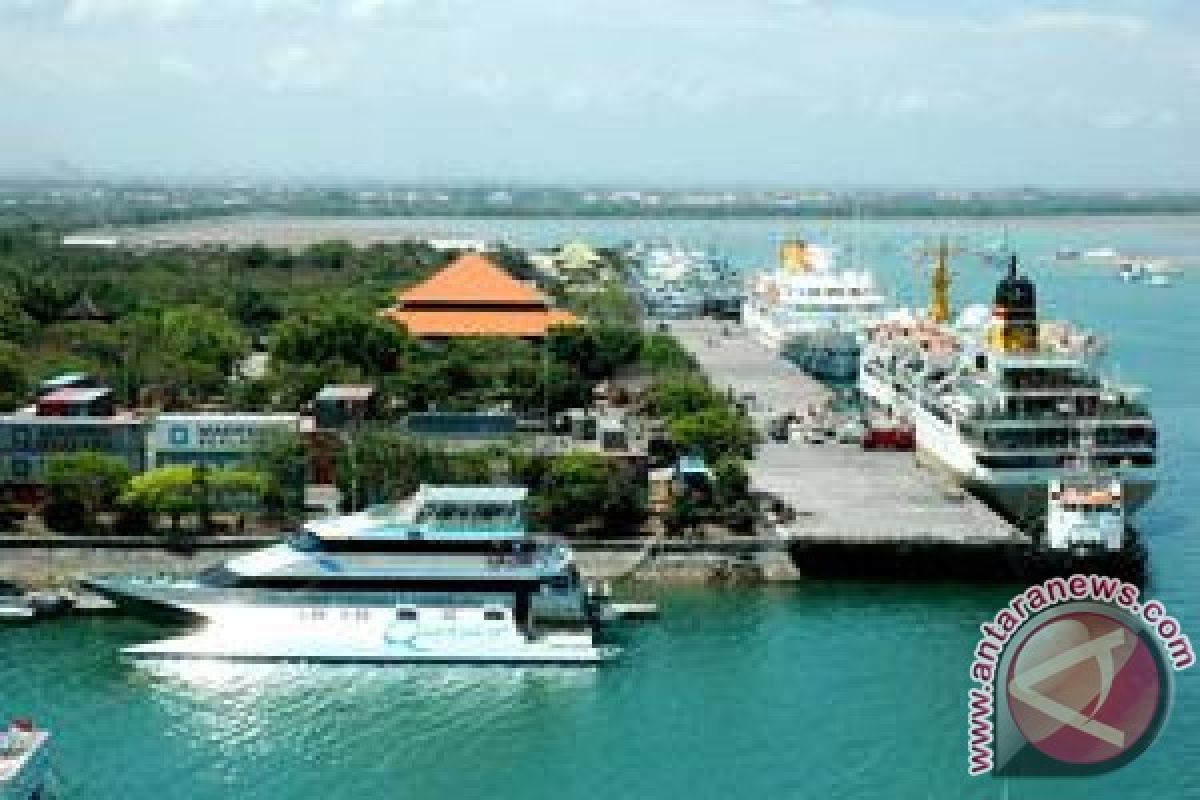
x=811, y=312
x=1002, y=401
x=451, y=576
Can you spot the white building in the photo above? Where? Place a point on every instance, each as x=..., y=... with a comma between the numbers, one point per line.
x=214, y=439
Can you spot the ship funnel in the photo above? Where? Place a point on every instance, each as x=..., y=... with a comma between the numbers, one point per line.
x=794, y=257
x=1014, y=325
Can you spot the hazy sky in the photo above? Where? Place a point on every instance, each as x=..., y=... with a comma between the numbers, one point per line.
x=981, y=92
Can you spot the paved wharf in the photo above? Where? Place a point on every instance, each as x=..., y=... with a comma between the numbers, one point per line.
x=837, y=493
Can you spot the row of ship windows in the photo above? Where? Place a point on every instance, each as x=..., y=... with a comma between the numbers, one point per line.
x=1062, y=460
x=1077, y=507
x=1039, y=438
x=364, y=614
x=839, y=308
x=831, y=291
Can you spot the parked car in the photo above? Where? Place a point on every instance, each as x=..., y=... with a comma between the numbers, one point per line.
x=851, y=433
x=889, y=439
x=815, y=436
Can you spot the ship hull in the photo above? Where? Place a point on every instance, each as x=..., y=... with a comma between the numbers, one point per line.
x=218, y=645
x=1019, y=494
x=1022, y=496
x=831, y=357
x=268, y=609
x=828, y=354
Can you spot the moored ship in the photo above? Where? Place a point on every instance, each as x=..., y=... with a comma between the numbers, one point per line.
x=1001, y=400
x=810, y=311
x=449, y=576
x=676, y=282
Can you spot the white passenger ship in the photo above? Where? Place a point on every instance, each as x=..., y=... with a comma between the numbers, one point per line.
x=810, y=311
x=450, y=576
x=1003, y=401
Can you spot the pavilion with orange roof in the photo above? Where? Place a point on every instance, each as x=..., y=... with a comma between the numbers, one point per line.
x=471, y=296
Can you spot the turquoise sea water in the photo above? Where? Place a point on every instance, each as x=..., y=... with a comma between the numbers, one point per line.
x=816, y=690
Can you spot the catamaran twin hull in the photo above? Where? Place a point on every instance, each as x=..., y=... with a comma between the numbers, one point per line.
x=210, y=646
x=362, y=627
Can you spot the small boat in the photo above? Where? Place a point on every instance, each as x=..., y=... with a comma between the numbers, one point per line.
x=24, y=761
x=14, y=605
x=1067, y=254
x=1101, y=254
x=16, y=612
x=1148, y=271
x=1131, y=271
x=1085, y=512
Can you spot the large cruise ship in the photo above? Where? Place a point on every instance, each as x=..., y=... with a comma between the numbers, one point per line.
x=810, y=311
x=449, y=576
x=1002, y=400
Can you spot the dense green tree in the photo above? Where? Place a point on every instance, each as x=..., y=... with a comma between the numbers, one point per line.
x=281, y=457
x=661, y=353
x=595, y=351
x=681, y=394
x=612, y=305
x=44, y=299
x=85, y=484
x=14, y=379
x=255, y=256
x=15, y=323
x=254, y=309
x=587, y=490
x=186, y=489
x=332, y=254
x=684, y=514
x=366, y=341
x=195, y=334
x=713, y=432
x=731, y=497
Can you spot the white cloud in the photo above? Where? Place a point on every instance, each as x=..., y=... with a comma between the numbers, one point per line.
x=1083, y=21
x=298, y=66
x=82, y=11
x=1117, y=119
x=370, y=10
x=183, y=69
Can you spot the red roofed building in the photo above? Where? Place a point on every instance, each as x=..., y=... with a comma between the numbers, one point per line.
x=471, y=296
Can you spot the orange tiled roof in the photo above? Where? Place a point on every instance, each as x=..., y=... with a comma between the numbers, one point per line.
x=425, y=322
x=471, y=279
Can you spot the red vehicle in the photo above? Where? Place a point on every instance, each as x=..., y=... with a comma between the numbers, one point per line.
x=892, y=438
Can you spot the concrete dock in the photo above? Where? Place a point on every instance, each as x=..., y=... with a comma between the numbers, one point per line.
x=839, y=493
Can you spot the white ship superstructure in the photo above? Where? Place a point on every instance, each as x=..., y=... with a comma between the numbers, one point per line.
x=1002, y=401
x=677, y=282
x=449, y=576
x=811, y=311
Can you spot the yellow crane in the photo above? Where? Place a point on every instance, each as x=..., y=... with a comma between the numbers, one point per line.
x=939, y=300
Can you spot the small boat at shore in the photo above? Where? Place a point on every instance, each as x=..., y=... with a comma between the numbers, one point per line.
x=24, y=761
